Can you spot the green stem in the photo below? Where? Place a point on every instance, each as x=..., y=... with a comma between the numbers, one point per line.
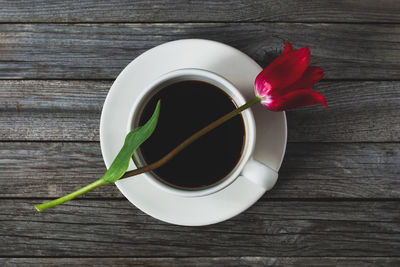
x=58, y=201
x=191, y=139
x=155, y=165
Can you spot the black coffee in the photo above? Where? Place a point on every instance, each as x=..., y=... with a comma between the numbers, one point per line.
x=186, y=107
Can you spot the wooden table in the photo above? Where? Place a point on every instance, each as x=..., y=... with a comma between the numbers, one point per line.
x=338, y=197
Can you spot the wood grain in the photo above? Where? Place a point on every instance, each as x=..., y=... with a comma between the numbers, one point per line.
x=101, y=51
x=70, y=111
x=357, y=112
x=268, y=229
x=310, y=170
x=199, y=11
x=240, y=261
x=51, y=110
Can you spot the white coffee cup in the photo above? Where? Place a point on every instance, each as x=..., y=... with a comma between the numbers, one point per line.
x=247, y=166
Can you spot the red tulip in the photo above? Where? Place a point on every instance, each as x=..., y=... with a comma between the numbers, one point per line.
x=286, y=83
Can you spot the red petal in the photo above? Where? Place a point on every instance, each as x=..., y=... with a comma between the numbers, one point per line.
x=283, y=71
x=288, y=48
x=296, y=99
x=311, y=76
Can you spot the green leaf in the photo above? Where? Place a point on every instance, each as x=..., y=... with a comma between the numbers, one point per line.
x=132, y=141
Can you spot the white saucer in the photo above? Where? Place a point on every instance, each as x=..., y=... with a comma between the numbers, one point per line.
x=219, y=58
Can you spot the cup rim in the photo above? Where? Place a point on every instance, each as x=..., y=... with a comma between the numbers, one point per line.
x=228, y=88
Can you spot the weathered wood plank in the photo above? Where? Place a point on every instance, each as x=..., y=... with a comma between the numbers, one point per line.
x=354, y=170
x=51, y=110
x=269, y=229
x=310, y=170
x=180, y=10
x=240, y=261
x=101, y=51
x=357, y=112
x=70, y=110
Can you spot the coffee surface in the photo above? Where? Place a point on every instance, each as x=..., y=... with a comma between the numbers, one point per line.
x=186, y=107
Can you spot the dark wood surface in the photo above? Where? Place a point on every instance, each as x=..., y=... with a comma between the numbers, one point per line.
x=281, y=228
x=336, y=203
x=310, y=170
x=207, y=261
x=199, y=11
x=58, y=110
x=101, y=50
